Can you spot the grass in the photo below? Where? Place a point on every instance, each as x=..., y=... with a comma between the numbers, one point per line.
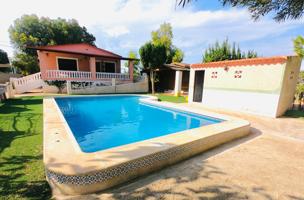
x=171, y=98
x=295, y=114
x=21, y=168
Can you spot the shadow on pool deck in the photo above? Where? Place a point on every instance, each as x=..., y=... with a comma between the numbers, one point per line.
x=186, y=172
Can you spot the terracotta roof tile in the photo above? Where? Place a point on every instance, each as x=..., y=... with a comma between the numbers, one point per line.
x=82, y=48
x=242, y=62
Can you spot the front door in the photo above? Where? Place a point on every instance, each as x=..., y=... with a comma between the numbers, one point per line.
x=199, y=77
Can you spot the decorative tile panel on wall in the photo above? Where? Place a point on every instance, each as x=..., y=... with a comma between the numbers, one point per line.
x=214, y=74
x=238, y=74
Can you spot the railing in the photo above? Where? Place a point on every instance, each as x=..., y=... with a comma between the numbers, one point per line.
x=68, y=75
x=81, y=75
x=26, y=79
x=103, y=75
x=27, y=83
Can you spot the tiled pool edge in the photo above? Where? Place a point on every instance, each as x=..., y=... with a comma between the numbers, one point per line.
x=81, y=183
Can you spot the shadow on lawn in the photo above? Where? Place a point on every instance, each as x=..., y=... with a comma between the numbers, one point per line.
x=19, y=119
x=17, y=106
x=13, y=183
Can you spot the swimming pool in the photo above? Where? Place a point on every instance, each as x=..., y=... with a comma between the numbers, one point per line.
x=100, y=123
x=85, y=152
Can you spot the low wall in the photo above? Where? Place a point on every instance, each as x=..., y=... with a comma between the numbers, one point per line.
x=137, y=87
x=52, y=89
x=5, y=77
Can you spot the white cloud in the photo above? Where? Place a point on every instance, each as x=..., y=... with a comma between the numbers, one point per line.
x=188, y=18
x=117, y=31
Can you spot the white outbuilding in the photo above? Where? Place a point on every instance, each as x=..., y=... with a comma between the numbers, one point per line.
x=263, y=86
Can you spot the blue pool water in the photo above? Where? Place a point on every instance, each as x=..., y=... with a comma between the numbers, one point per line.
x=100, y=123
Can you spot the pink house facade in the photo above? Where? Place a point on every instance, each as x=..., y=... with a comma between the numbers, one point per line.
x=81, y=62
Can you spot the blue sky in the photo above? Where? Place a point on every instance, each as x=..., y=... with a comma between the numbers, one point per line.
x=121, y=25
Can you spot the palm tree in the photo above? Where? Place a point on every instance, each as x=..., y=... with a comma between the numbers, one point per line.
x=182, y=2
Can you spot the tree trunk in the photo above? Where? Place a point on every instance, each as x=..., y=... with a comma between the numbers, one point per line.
x=152, y=80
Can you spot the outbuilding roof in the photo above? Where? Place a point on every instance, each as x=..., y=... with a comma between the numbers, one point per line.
x=242, y=62
x=82, y=49
x=178, y=66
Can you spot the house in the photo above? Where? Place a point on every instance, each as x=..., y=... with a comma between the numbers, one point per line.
x=264, y=86
x=86, y=69
x=81, y=62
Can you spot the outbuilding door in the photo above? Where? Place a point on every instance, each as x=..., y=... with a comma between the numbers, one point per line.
x=199, y=77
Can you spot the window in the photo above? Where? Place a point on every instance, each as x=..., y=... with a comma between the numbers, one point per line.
x=69, y=64
x=108, y=67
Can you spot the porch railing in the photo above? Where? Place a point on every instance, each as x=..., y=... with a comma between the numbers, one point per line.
x=103, y=75
x=68, y=75
x=81, y=75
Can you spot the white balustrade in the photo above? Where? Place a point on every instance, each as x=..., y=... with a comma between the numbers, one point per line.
x=27, y=83
x=67, y=75
x=81, y=75
x=26, y=79
x=104, y=75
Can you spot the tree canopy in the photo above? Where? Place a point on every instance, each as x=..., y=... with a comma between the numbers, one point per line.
x=152, y=57
x=282, y=9
x=160, y=50
x=299, y=46
x=30, y=30
x=226, y=51
x=164, y=36
x=136, y=63
x=178, y=55
x=3, y=57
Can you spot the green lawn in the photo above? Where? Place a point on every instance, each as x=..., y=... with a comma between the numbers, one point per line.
x=295, y=114
x=170, y=98
x=21, y=168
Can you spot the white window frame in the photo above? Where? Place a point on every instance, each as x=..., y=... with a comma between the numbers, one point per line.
x=67, y=58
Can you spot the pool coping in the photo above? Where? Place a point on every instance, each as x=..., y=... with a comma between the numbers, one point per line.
x=66, y=164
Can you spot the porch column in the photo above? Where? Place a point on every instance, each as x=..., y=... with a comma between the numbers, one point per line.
x=178, y=82
x=93, y=67
x=42, y=64
x=191, y=85
x=131, y=68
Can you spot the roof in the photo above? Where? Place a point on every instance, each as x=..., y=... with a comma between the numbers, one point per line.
x=5, y=65
x=81, y=48
x=178, y=66
x=242, y=62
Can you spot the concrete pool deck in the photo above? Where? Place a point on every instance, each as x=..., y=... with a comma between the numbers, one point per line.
x=268, y=164
x=72, y=171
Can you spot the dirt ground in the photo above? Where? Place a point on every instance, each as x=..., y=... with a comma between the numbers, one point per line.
x=268, y=164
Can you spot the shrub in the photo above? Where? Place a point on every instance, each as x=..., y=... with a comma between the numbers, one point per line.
x=59, y=84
